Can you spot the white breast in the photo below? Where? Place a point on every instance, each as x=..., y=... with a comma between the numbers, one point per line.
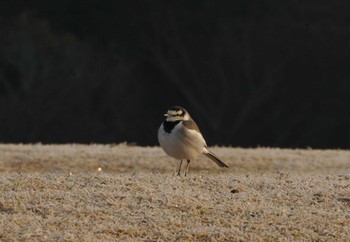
x=181, y=143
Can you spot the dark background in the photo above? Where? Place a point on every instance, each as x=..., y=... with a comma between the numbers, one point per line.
x=268, y=73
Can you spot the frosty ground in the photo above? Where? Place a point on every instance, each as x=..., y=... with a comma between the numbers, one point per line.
x=121, y=192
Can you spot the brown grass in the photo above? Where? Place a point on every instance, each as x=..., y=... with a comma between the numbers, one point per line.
x=56, y=192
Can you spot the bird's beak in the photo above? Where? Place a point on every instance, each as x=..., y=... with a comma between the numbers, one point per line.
x=166, y=115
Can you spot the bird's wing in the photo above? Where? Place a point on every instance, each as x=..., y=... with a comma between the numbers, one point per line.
x=190, y=124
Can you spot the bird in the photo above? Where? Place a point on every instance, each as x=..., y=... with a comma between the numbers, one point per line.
x=180, y=138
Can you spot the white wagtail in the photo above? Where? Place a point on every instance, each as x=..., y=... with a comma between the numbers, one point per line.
x=180, y=138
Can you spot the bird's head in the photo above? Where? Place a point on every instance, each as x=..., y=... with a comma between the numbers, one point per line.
x=176, y=113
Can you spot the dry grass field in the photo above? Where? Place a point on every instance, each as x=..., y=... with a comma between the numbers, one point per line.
x=128, y=193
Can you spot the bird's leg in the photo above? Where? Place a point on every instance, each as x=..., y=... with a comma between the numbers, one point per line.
x=179, y=168
x=187, y=167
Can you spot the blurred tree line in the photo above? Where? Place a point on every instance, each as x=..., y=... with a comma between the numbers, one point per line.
x=269, y=73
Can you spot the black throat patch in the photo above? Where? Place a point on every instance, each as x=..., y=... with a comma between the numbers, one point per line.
x=168, y=126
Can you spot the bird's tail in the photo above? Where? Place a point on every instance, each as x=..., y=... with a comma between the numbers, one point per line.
x=213, y=157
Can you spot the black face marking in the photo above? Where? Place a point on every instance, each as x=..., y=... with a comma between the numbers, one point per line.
x=168, y=126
